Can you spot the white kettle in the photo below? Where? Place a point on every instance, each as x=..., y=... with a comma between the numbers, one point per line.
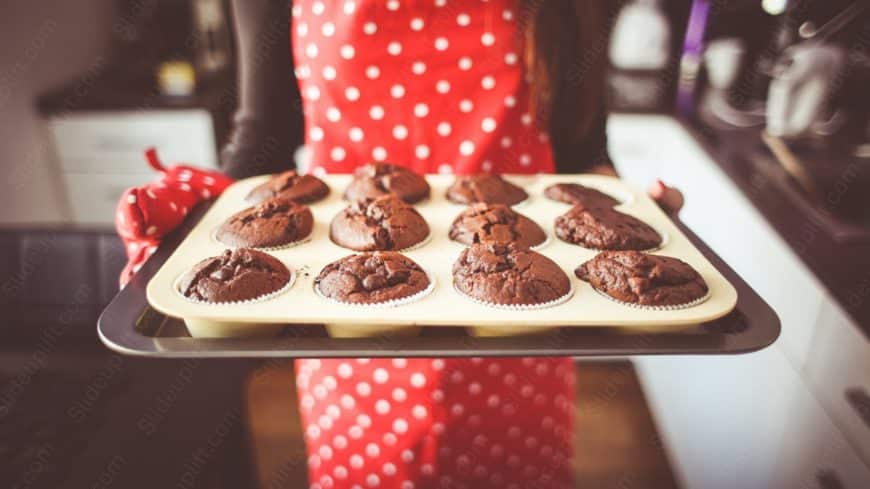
x=641, y=37
x=805, y=78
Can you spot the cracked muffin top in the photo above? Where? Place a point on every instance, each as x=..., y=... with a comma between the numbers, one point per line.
x=603, y=228
x=576, y=194
x=491, y=189
x=370, y=278
x=509, y=274
x=275, y=222
x=235, y=275
x=484, y=222
x=641, y=278
x=378, y=179
x=291, y=185
x=380, y=224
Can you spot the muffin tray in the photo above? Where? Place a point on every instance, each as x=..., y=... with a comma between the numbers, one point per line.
x=130, y=325
x=444, y=306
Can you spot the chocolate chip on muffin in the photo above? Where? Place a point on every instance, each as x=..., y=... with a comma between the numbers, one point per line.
x=484, y=222
x=275, y=222
x=380, y=224
x=236, y=275
x=509, y=274
x=641, y=278
x=491, y=189
x=371, y=278
x=378, y=179
x=603, y=228
x=301, y=188
x=576, y=194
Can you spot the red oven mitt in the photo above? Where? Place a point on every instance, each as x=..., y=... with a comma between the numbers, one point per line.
x=147, y=213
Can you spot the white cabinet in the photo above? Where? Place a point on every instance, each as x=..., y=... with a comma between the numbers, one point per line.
x=775, y=418
x=746, y=421
x=722, y=419
x=839, y=373
x=101, y=153
x=816, y=455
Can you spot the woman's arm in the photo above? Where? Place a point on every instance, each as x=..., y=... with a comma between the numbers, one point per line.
x=267, y=125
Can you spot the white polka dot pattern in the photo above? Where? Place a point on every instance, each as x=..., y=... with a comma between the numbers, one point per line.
x=491, y=421
x=367, y=64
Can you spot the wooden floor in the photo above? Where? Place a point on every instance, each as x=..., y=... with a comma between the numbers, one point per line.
x=616, y=444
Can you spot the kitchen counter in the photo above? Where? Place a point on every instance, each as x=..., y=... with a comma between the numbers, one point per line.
x=843, y=268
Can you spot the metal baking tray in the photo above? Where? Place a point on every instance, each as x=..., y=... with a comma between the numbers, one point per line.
x=130, y=325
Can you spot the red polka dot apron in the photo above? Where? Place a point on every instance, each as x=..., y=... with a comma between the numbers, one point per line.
x=437, y=86
x=427, y=423
x=434, y=85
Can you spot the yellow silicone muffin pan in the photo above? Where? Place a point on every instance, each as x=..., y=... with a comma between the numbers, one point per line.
x=300, y=304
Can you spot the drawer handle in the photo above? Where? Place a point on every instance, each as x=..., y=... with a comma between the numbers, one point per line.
x=828, y=479
x=860, y=402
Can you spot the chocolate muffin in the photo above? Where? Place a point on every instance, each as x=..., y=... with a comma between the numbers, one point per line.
x=301, y=188
x=509, y=274
x=236, y=275
x=641, y=278
x=275, y=222
x=377, y=179
x=371, y=278
x=381, y=224
x=603, y=228
x=576, y=194
x=491, y=189
x=484, y=222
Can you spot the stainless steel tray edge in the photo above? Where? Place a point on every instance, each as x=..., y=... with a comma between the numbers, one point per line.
x=130, y=326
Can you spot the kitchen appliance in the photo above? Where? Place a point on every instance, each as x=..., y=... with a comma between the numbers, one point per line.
x=816, y=83
x=148, y=34
x=642, y=50
x=802, y=88
x=641, y=37
x=818, y=111
x=793, y=77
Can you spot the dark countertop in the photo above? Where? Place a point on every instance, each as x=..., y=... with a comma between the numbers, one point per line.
x=843, y=267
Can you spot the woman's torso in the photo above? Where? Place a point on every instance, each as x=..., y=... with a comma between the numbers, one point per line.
x=434, y=85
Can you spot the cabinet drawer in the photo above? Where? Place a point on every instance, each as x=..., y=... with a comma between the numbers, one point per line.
x=838, y=370
x=93, y=197
x=95, y=142
x=817, y=455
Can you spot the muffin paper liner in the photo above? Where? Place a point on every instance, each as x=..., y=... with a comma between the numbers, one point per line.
x=625, y=198
x=522, y=203
x=422, y=201
x=423, y=242
x=519, y=204
x=518, y=307
x=672, y=307
x=261, y=298
x=262, y=248
x=386, y=304
x=414, y=246
x=542, y=244
x=664, y=235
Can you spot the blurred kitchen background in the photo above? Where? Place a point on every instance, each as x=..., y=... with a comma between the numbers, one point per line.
x=758, y=110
